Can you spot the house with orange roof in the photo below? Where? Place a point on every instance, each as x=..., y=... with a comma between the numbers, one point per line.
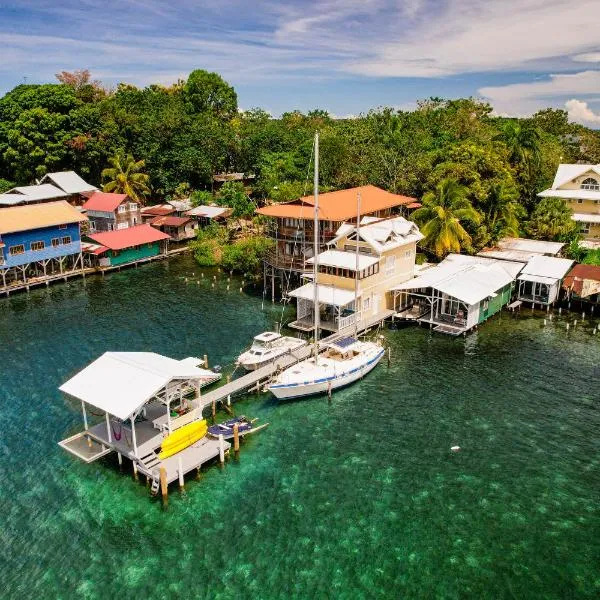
x=291, y=227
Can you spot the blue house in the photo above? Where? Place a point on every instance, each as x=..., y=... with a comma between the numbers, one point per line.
x=39, y=242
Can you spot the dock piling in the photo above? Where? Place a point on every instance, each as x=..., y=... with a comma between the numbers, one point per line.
x=221, y=449
x=214, y=410
x=164, y=488
x=236, y=438
x=180, y=472
x=120, y=459
x=135, y=470
x=206, y=361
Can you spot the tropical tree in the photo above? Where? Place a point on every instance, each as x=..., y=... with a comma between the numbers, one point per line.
x=125, y=176
x=233, y=195
x=501, y=211
x=209, y=92
x=551, y=220
x=442, y=215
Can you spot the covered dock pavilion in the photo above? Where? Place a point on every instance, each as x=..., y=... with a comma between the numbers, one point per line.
x=137, y=393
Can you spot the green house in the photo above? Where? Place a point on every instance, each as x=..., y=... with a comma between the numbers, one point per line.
x=126, y=246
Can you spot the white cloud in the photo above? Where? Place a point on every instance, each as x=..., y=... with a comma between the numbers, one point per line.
x=580, y=112
x=520, y=99
x=587, y=57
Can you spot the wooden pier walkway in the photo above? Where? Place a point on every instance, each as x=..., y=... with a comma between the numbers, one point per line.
x=258, y=378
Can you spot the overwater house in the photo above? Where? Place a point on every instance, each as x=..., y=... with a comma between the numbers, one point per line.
x=109, y=212
x=38, y=242
x=53, y=186
x=521, y=249
x=583, y=283
x=156, y=210
x=179, y=229
x=459, y=293
x=291, y=227
x=540, y=280
x=579, y=186
x=121, y=247
x=383, y=249
x=141, y=398
x=205, y=215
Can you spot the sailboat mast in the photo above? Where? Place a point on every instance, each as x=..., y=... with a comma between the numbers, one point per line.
x=356, y=273
x=316, y=247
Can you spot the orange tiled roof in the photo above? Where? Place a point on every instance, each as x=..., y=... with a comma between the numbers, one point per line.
x=338, y=206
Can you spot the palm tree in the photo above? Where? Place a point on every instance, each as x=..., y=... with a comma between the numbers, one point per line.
x=441, y=215
x=125, y=177
x=551, y=220
x=501, y=211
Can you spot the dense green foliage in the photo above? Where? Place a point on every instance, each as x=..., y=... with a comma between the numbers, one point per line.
x=126, y=176
x=187, y=132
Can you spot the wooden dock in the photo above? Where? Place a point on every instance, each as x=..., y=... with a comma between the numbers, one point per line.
x=257, y=379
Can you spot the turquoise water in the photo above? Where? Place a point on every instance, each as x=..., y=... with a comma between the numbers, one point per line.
x=357, y=498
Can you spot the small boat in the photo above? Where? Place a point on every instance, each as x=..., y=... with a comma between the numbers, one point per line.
x=245, y=426
x=266, y=347
x=182, y=438
x=341, y=363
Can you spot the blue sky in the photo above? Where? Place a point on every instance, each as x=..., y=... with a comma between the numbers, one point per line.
x=345, y=56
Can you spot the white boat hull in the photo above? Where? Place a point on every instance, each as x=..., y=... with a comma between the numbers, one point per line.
x=251, y=362
x=322, y=386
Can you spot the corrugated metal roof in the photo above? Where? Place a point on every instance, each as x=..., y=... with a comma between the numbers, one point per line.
x=31, y=193
x=547, y=266
x=120, y=383
x=69, y=181
x=104, y=201
x=159, y=210
x=210, y=212
x=130, y=237
x=36, y=216
x=169, y=221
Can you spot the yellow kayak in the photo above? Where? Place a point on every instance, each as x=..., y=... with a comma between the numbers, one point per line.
x=182, y=438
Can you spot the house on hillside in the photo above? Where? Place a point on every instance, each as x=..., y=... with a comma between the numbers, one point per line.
x=583, y=283
x=246, y=179
x=381, y=251
x=109, y=212
x=125, y=246
x=53, y=186
x=460, y=292
x=291, y=227
x=521, y=249
x=39, y=240
x=181, y=206
x=179, y=229
x=540, y=280
x=157, y=210
x=579, y=186
x=209, y=214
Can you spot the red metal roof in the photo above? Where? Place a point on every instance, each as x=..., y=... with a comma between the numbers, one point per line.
x=170, y=221
x=577, y=276
x=127, y=238
x=104, y=202
x=414, y=205
x=160, y=210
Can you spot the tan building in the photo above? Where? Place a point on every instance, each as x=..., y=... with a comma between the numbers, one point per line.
x=386, y=258
x=579, y=186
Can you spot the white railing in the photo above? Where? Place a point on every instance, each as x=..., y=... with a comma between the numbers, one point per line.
x=344, y=322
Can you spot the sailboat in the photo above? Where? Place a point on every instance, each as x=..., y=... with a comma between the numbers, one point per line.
x=339, y=363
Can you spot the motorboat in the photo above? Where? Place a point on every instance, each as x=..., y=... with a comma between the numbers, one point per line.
x=245, y=426
x=340, y=363
x=266, y=347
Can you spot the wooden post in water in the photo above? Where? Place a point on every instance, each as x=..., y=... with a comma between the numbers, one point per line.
x=236, y=438
x=180, y=472
x=214, y=410
x=221, y=449
x=206, y=361
x=389, y=356
x=120, y=458
x=164, y=488
x=135, y=471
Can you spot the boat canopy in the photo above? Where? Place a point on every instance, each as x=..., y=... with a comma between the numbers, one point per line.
x=120, y=383
x=327, y=294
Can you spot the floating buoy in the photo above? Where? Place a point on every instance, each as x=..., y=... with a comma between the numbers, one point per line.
x=455, y=448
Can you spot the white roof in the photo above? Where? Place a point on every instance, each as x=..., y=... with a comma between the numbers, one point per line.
x=586, y=218
x=547, y=267
x=69, y=182
x=327, y=294
x=181, y=205
x=566, y=173
x=120, y=383
x=207, y=211
x=571, y=194
x=520, y=249
x=468, y=278
x=344, y=260
x=31, y=193
x=382, y=234
x=267, y=336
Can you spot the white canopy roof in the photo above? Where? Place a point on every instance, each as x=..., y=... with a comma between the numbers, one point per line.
x=571, y=194
x=207, y=211
x=586, y=218
x=344, y=260
x=120, y=383
x=69, y=182
x=547, y=267
x=467, y=278
x=327, y=294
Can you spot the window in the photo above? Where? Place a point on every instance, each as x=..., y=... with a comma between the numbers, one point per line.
x=579, y=201
x=66, y=239
x=14, y=250
x=408, y=254
x=590, y=184
x=122, y=225
x=390, y=265
x=37, y=246
x=56, y=242
x=584, y=227
x=366, y=303
x=133, y=206
x=110, y=227
x=122, y=208
x=62, y=226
